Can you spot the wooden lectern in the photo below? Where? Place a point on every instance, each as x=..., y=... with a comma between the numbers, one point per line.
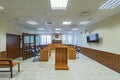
x=61, y=58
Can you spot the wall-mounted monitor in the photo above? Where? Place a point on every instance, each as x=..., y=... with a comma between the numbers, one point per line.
x=94, y=38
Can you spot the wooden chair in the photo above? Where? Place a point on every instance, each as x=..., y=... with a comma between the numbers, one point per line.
x=8, y=63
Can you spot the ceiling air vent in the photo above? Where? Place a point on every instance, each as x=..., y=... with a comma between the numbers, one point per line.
x=49, y=23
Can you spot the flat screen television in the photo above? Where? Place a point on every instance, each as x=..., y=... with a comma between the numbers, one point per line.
x=94, y=38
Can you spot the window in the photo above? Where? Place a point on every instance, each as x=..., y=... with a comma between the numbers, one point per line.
x=64, y=39
x=46, y=39
x=37, y=40
x=67, y=39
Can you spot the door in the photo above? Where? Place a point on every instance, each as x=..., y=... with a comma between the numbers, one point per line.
x=13, y=45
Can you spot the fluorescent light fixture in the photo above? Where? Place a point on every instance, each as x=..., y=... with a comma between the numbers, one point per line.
x=84, y=22
x=67, y=22
x=32, y=22
x=41, y=29
x=110, y=4
x=75, y=29
x=1, y=8
x=58, y=4
x=58, y=29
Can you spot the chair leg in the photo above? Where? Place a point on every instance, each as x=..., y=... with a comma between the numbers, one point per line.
x=11, y=71
x=19, y=67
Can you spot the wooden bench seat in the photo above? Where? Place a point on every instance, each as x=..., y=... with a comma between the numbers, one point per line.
x=8, y=63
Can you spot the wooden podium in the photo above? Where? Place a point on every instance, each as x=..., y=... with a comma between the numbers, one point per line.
x=61, y=58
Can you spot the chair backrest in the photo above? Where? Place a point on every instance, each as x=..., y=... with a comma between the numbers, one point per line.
x=37, y=50
x=33, y=51
x=78, y=49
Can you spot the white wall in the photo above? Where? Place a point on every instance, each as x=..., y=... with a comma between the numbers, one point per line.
x=6, y=27
x=109, y=32
x=0, y=36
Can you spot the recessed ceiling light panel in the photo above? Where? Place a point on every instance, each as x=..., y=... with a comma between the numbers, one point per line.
x=32, y=22
x=84, y=22
x=67, y=22
x=110, y=4
x=41, y=29
x=58, y=4
x=58, y=29
x=75, y=28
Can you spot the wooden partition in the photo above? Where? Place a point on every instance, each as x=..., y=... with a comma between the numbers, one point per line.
x=108, y=59
x=71, y=52
x=45, y=54
x=119, y=64
x=28, y=43
x=61, y=58
x=52, y=46
x=46, y=51
x=56, y=41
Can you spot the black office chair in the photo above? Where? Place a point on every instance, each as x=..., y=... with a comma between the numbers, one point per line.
x=37, y=52
x=77, y=52
x=36, y=55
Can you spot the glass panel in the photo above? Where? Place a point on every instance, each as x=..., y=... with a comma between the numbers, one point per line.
x=31, y=39
x=37, y=40
x=26, y=39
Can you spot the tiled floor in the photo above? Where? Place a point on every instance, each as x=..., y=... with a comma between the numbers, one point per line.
x=82, y=68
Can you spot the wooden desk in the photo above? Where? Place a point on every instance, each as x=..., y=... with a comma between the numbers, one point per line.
x=46, y=52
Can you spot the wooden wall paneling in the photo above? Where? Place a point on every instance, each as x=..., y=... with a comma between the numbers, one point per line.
x=3, y=54
x=84, y=50
x=90, y=53
x=100, y=57
x=94, y=54
x=119, y=63
x=114, y=62
x=108, y=59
